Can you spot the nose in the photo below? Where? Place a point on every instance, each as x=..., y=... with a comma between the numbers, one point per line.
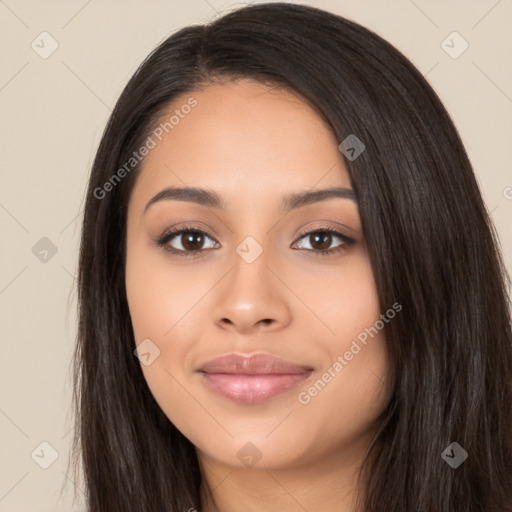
x=252, y=298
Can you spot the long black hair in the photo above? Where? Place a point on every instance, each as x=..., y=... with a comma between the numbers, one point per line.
x=431, y=244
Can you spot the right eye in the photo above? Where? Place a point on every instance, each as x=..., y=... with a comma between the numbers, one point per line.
x=191, y=244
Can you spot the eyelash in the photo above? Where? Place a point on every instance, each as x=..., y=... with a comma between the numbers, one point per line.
x=169, y=235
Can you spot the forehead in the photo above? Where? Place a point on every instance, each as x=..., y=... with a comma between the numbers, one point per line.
x=246, y=139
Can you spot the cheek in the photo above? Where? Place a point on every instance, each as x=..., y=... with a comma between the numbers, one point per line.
x=158, y=295
x=166, y=308
x=343, y=299
x=356, y=369
x=352, y=388
x=159, y=300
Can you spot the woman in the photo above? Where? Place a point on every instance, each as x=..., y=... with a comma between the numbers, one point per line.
x=333, y=331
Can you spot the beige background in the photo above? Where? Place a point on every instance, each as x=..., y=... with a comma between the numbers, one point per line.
x=53, y=112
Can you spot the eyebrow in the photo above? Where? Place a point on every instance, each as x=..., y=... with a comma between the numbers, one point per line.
x=211, y=199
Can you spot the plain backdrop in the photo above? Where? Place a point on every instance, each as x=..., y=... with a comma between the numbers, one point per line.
x=63, y=65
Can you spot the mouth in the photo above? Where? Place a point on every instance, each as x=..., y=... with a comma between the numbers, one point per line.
x=252, y=379
x=252, y=389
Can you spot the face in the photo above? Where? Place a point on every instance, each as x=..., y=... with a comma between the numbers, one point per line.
x=288, y=279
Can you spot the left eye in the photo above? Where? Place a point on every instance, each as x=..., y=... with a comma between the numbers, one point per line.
x=323, y=238
x=192, y=243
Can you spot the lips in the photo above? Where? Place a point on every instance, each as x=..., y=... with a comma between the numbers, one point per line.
x=255, y=364
x=252, y=378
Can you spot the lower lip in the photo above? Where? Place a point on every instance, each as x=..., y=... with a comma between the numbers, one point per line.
x=252, y=389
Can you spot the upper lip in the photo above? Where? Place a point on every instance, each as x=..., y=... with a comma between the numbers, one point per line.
x=253, y=364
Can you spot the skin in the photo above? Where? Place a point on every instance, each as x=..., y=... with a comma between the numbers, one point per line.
x=253, y=145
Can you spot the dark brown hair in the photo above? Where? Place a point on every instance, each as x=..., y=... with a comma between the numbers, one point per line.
x=431, y=244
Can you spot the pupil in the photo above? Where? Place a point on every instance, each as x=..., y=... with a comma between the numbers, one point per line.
x=324, y=238
x=188, y=243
